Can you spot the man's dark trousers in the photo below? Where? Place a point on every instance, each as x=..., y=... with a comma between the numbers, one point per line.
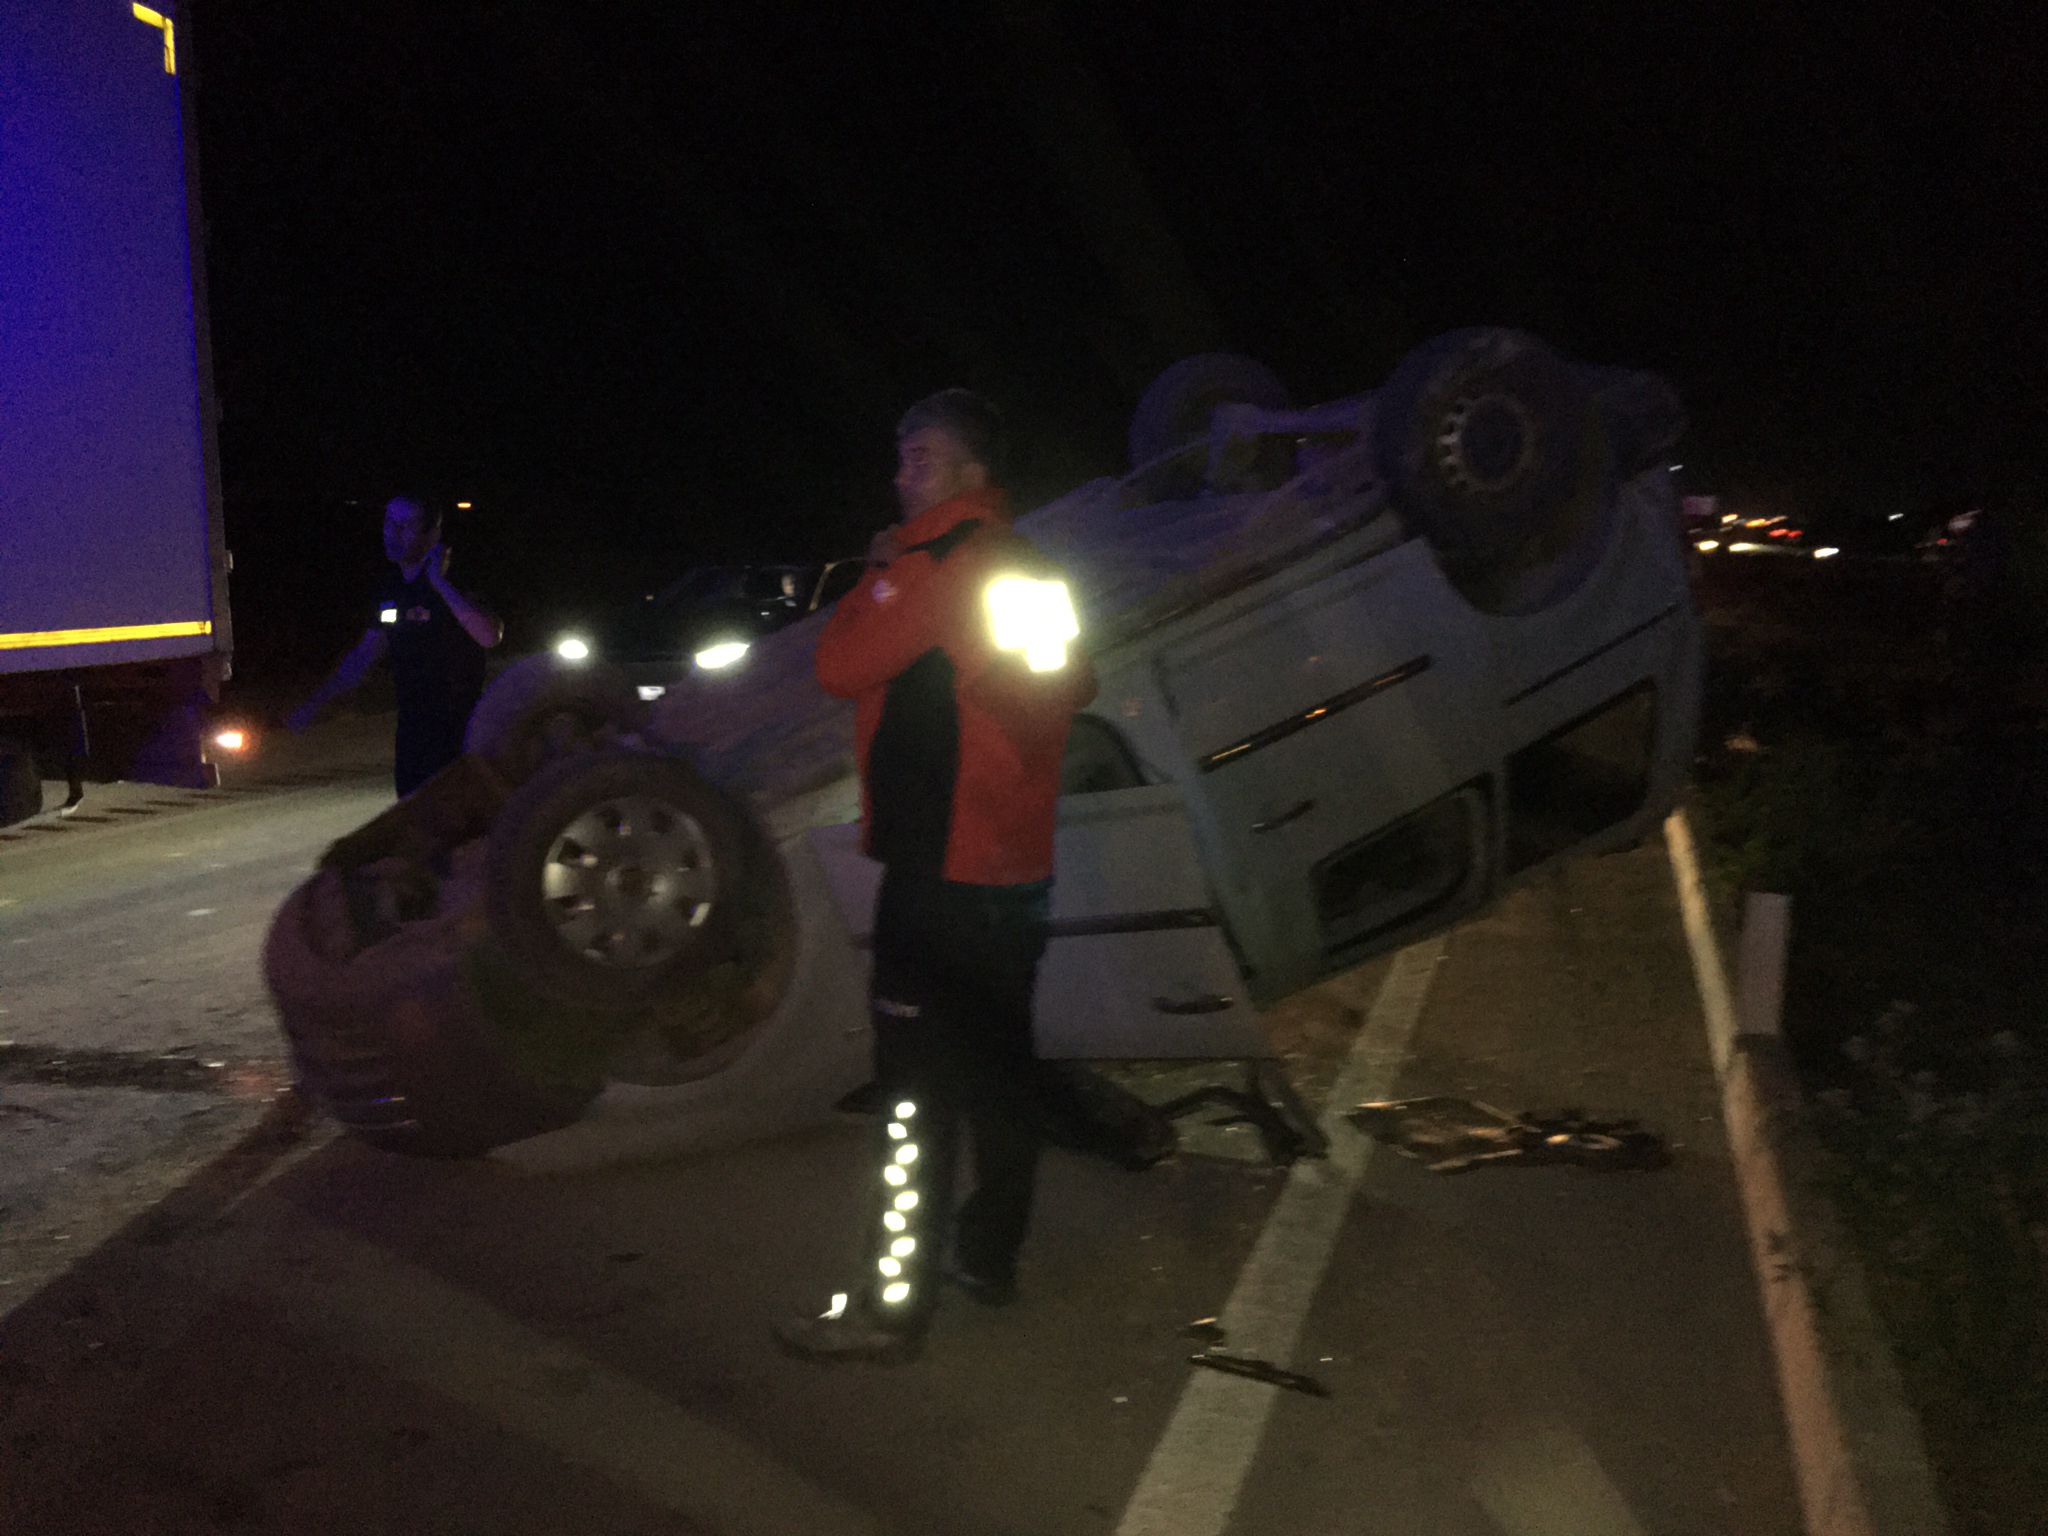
x=954, y=970
x=426, y=743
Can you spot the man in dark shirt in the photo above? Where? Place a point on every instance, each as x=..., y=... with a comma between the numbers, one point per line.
x=434, y=637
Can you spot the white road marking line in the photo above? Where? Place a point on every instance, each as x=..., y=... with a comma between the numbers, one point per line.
x=1545, y=1481
x=419, y=1327
x=200, y=912
x=1191, y=1483
x=34, y=1263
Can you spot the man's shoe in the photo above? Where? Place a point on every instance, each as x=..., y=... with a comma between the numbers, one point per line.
x=989, y=1290
x=867, y=1099
x=847, y=1333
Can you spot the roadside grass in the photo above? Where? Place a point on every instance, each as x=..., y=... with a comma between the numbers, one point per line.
x=1844, y=765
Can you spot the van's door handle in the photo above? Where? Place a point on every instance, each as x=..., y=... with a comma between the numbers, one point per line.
x=1274, y=823
x=1208, y=1002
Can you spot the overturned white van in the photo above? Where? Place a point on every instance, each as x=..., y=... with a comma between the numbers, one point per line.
x=1363, y=666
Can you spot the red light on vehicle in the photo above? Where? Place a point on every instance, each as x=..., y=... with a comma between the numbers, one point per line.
x=231, y=740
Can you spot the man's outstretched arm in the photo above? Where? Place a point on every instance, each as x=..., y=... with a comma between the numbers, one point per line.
x=347, y=676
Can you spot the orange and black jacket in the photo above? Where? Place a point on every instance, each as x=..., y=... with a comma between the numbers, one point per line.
x=959, y=744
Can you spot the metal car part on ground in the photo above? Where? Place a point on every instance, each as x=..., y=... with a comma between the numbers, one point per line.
x=1363, y=666
x=1452, y=1135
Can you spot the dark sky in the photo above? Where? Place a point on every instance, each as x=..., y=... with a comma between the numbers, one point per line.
x=651, y=283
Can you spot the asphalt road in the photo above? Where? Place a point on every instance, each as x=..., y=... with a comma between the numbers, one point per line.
x=221, y=1318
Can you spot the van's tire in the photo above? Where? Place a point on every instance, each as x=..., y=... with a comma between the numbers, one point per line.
x=1643, y=415
x=701, y=1028
x=398, y=1042
x=1493, y=448
x=1175, y=409
x=21, y=785
x=614, y=878
x=541, y=709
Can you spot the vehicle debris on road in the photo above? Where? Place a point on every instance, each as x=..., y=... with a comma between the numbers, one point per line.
x=91, y=1067
x=1209, y=1331
x=1253, y=1369
x=1451, y=1135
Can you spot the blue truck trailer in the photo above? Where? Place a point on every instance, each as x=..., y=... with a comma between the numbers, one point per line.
x=114, y=628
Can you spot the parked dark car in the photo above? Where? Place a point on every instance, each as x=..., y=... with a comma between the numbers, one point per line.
x=707, y=620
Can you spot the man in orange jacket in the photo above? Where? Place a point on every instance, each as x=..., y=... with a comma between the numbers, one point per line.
x=955, y=647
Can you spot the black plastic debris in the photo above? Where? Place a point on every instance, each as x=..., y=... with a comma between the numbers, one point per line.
x=1451, y=1135
x=1084, y=1110
x=1286, y=1138
x=1259, y=1370
x=1207, y=1330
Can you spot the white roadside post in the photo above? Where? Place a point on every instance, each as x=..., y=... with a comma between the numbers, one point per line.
x=1760, y=964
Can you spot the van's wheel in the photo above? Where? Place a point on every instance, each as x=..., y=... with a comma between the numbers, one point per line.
x=402, y=1042
x=542, y=709
x=616, y=877
x=703, y=1027
x=1175, y=409
x=1493, y=448
x=21, y=785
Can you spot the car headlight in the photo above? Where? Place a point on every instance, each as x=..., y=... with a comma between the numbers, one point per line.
x=1033, y=619
x=573, y=648
x=721, y=654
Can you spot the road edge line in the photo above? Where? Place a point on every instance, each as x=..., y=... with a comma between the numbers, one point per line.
x=1197, y=1467
x=1858, y=1454
x=361, y=1298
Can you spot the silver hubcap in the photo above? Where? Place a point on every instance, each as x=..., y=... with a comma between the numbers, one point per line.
x=628, y=880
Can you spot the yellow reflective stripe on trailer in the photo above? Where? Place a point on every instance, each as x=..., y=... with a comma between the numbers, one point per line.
x=49, y=639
